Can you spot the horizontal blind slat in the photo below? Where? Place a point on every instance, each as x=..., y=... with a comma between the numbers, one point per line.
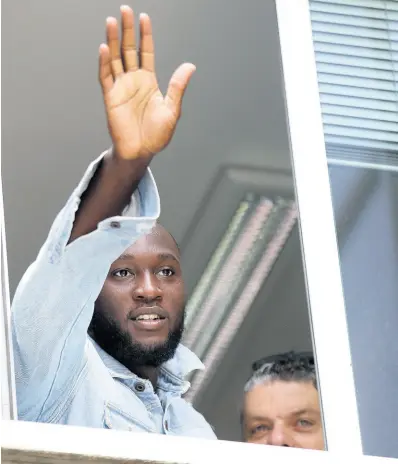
x=353, y=102
x=355, y=71
x=341, y=59
x=359, y=113
x=363, y=6
x=368, y=94
x=360, y=143
x=385, y=23
x=359, y=82
x=389, y=42
x=354, y=52
x=374, y=9
x=365, y=124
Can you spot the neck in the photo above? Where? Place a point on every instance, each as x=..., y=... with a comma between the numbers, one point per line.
x=148, y=373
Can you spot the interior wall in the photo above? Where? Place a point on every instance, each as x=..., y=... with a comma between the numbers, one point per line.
x=54, y=119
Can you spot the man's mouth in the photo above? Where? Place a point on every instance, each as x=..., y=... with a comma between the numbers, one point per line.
x=149, y=318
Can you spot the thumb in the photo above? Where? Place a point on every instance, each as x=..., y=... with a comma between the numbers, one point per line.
x=177, y=86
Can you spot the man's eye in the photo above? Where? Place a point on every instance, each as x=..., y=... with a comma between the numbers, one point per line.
x=166, y=272
x=261, y=428
x=122, y=273
x=303, y=423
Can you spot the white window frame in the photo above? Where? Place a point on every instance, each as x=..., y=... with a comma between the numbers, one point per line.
x=8, y=400
x=23, y=441
x=317, y=227
x=29, y=442
x=7, y=379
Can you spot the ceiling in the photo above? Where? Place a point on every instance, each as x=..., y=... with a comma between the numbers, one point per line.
x=234, y=113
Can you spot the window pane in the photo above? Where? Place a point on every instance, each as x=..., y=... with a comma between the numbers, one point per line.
x=357, y=63
x=366, y=212
x=227, y=195
x=226, y=188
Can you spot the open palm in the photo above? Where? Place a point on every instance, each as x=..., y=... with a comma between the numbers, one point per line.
x=141, y=120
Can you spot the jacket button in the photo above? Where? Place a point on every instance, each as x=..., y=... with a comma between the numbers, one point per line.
x=139, y=386
x=115, y=225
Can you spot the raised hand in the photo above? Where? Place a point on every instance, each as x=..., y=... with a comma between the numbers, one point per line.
x=141, y=120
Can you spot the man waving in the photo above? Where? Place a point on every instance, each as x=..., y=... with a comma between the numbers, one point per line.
x=98, y=317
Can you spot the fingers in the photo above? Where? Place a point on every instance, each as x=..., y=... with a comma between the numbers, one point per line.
x=129, y=49
x=177, y=86
x=105, y=69
x=112, y=35
x=116, y=59
x=147, y=56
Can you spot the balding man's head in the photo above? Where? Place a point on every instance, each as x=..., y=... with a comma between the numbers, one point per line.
x=161, y=232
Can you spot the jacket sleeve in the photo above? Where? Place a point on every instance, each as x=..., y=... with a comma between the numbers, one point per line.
x=54, y=301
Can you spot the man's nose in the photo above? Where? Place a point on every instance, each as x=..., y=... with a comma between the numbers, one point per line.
x=147, y=288
x=279, y=436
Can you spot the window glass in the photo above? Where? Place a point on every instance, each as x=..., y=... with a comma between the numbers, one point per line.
x=357, y=63
x=227, y=195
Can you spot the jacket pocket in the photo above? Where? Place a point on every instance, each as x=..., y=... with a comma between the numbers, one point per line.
x=117, y=419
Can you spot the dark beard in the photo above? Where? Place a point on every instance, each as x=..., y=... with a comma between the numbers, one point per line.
x=120, y=345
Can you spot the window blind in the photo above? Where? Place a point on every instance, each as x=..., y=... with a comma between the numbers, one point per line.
x=356, y=51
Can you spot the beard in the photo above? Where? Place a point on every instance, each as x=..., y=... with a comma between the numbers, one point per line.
x=118, y=343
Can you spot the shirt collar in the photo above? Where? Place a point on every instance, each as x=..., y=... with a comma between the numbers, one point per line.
x=179, y=367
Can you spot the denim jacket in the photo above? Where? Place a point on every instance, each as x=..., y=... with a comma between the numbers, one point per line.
x=62, y=375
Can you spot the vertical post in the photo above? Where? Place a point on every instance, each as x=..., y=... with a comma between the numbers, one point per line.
x=8, y=400
x=317, y=228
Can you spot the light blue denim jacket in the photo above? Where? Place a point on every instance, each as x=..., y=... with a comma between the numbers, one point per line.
x=62, y=375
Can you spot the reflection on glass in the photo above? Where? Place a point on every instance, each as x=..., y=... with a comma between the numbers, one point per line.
x=238, y=268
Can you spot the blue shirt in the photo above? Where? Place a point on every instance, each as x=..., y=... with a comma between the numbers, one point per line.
x=62, y=375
